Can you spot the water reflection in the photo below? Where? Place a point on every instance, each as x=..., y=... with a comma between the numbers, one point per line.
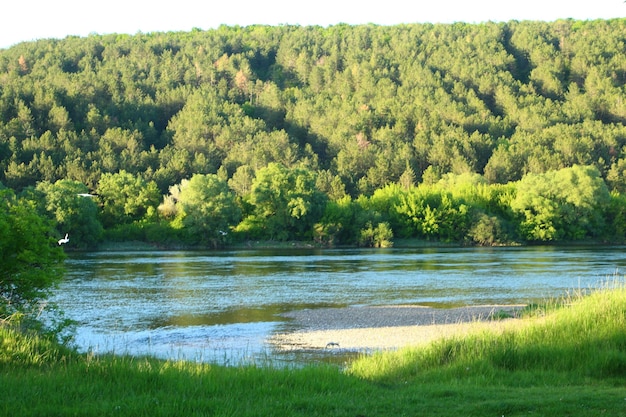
x=213, y=305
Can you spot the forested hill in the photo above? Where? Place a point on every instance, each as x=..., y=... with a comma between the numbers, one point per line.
x=349, y=109
x=363, y=104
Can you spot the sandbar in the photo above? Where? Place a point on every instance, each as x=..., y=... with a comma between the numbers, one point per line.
x=370, y=328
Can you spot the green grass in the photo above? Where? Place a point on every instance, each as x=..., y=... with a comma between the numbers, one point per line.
x=563, y=359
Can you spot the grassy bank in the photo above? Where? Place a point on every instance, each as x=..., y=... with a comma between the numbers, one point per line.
x=566, y=360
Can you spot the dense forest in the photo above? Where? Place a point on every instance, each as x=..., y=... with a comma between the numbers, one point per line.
x=491, y=133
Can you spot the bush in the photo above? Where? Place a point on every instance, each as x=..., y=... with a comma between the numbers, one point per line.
x=30, y=258
x=378, y=237
x=488, y=231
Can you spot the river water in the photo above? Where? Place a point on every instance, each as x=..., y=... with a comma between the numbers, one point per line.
x=221, y=306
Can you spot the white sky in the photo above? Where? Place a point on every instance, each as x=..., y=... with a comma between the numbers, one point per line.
x=25, y=20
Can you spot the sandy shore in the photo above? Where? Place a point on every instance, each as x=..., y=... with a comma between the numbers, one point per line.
x=380, y=328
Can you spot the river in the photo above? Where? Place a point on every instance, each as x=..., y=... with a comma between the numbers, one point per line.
x=221, y=306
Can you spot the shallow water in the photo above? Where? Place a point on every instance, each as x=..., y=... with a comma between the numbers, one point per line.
x=221, y=306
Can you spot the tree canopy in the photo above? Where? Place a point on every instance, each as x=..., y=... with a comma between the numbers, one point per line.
x=363, y=102
x=339, y=114
x=205, y=207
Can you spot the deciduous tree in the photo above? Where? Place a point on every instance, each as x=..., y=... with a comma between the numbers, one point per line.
x=30, y=259
x=287, y=201
x=126, y=198
x=206, y=209
x=73, y=212
x=565, y=204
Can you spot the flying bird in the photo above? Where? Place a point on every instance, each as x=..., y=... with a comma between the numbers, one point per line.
x=64, y=240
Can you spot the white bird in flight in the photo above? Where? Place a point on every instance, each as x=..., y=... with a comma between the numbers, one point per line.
x=64, y=240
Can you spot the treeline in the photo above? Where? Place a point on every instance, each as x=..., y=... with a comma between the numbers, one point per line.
x=571, y=204
x=345, y=134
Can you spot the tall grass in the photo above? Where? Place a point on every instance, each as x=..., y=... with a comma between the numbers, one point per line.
x=21, y=346
x=583, y=333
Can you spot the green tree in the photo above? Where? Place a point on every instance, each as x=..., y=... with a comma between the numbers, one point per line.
x=430, y=212
x=488, y=230
x=69, y=205
x=616, y=176
x=615, y=217
x=379, y=236
x=207, y=209
x=361, y=107
x=331, y=185
x=241, y=181
x=120, y=150
x=565, y=204
x=342, y=221
x=31, y=262
x=126, y=198
x=287, y=201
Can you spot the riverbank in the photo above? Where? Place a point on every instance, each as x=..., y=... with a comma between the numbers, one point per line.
x=126, y=245
x=563, y=361
x=414, y=243
x=387, y=327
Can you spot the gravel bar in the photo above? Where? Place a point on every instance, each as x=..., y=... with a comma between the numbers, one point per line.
x=387, y=327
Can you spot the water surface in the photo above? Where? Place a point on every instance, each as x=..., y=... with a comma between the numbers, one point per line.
x=222, y=306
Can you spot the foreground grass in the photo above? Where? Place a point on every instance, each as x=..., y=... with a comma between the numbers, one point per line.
x=567, y=361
